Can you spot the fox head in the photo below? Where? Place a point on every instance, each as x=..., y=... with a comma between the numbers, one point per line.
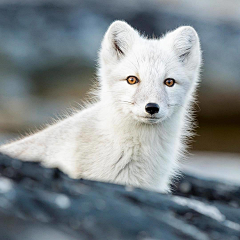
x=149, y=79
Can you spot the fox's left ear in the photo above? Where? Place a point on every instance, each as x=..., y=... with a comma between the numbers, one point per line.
x=185, y=43
x=117, y=41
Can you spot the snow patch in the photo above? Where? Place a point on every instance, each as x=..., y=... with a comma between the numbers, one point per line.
x=206, y=210
x=5, y=185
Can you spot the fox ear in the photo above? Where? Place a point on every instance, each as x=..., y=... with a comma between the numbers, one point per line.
x=186, y=45
x=117, y=41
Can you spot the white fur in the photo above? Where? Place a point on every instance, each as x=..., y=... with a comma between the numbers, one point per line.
x=112, y=140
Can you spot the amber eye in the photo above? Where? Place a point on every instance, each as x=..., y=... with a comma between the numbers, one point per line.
x=132, y=80
x=169, y=82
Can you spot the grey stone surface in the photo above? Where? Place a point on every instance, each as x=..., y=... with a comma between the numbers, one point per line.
x=42, y=201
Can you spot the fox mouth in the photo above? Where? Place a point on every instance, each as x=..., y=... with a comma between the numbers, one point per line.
x=149, y=119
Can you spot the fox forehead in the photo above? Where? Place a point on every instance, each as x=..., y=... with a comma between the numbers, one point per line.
x=125, y=52
x=150, y=60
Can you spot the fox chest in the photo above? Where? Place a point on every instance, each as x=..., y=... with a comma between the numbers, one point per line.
x=138, y=165
x=131, y=162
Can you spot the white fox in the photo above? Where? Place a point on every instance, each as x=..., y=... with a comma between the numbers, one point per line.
x=135, y=134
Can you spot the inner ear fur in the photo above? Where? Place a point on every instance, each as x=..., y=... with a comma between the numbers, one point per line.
x=185, y=43
x=119, y=39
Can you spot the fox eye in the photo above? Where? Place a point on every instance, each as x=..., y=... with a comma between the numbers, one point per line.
x=169, y=82
x=132, y=80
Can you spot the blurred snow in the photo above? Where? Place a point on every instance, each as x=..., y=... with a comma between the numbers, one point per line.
x=212, y=165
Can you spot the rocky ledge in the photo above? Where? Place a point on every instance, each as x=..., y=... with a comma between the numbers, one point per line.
x=39, y=203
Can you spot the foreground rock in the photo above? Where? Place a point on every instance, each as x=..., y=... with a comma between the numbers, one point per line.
x=40, y=203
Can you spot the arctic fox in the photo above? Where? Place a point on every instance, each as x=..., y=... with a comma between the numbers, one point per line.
x=135, y=134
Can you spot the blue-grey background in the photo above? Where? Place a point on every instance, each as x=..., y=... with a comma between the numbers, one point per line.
x=48, y=58
x=48, y=55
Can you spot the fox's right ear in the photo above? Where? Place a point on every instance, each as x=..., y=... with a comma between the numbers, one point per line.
x=117, y=41
x=185, y=43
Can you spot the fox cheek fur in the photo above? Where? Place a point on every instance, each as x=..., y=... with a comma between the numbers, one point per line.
x=136, y=132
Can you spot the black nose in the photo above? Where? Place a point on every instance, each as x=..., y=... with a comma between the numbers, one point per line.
x=152, y=108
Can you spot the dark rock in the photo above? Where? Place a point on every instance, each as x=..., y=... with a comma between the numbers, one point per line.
x=40, y=203
x=214, y=191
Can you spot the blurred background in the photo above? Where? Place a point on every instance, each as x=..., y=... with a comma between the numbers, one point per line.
x=48, y=56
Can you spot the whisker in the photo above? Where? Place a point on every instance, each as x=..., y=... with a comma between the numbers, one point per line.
x=196, y=104
x=127, y=102
x=176, y=105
